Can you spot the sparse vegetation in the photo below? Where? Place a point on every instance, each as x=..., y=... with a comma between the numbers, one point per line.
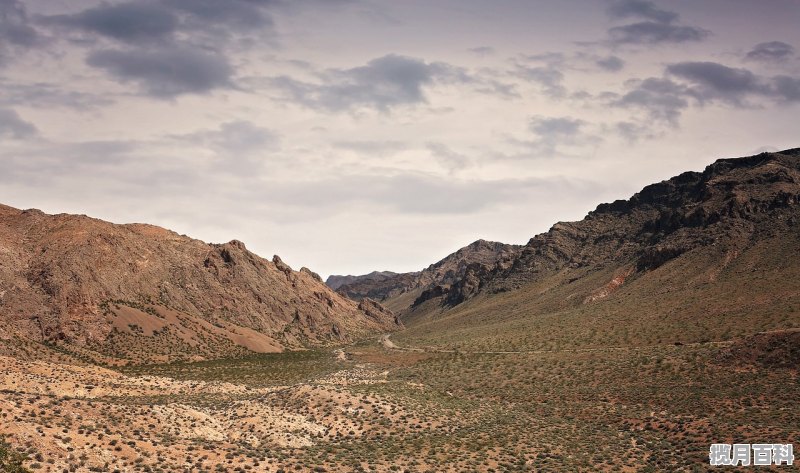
x=645, y=407
x=11, y=461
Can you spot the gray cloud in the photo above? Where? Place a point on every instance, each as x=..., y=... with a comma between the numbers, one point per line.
x=550, y=58
x=175, y=47
x=610, y=63
x=556, y=127
x=482, y=50
x=243, y=137
x=16, y=33
x=658, y=26
x=129, y=22
x=240, y=147
x=243, y=14
x=15, y=28
x=663, y=99
x=786, y=88
x=684, y=83
x=641, y=9
x=772, y=51
x=711, y=80
x=633, y=132
x=235, y=138
x=148, y=22
x=234, y=24
x=47, y=95
x=554, y=136
x=322, y=180
x=650, y=32
x=548, y=77
x=12, y=126
x=548, y=70
x=383, y=84
x=497, y=88
x=167, y=72
x=450, y=159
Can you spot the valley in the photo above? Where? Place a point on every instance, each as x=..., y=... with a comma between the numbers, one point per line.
x=629, y=341
x=646, y=408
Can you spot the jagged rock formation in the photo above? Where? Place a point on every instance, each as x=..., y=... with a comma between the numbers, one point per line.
x=704, y=256
x=130, y=290
x=335, y=282
x=381, y=288
x=724, y=205
x=433, y=281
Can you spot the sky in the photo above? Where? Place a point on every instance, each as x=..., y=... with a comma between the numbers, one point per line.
x=356, y=135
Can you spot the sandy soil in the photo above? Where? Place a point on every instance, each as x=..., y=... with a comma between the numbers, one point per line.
x=87, y=418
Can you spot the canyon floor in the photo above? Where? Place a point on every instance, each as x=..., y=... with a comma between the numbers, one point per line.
x=385, y=405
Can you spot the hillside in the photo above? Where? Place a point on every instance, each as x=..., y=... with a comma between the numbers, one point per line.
x=701, y=256
x=140, y=292
x=335, y=282
x=401, y=291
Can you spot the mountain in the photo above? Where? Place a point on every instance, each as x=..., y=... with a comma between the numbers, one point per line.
x=140, y=292
x=401, y=291
x=652, y=328
x=378, y=288
x=702, y=256
x=335, y=282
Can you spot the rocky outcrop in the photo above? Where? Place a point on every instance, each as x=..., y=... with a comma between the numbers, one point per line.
x=69, y=278
x=335, y=282
x=435, y=280
x=379, y=288
x=378, y=312
x=721, y=205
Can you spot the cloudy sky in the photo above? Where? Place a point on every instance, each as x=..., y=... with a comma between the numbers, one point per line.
x=354, y=135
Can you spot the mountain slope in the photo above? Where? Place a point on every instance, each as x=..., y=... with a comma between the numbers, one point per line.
x=702, y=256
x=335, y=282
x=138, y=290
x=400, y=291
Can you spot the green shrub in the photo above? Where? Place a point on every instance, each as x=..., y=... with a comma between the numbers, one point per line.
x=11, y=461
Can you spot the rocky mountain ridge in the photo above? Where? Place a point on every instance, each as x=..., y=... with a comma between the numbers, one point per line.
x=335, y=281
x=435, y=279
x=722, y=205
x=139, y=290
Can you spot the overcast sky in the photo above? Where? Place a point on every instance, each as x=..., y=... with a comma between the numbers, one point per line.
x=357, y=135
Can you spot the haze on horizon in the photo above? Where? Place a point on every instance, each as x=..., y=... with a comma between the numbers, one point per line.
x=358, y=135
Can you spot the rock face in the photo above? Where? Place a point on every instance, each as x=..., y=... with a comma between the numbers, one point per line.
x=436, y=279
x=724, y=205
x=88, y=283
x=379, y=288
x=335, y=282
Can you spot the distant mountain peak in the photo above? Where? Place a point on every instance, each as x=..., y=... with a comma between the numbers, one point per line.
x=443, y=273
